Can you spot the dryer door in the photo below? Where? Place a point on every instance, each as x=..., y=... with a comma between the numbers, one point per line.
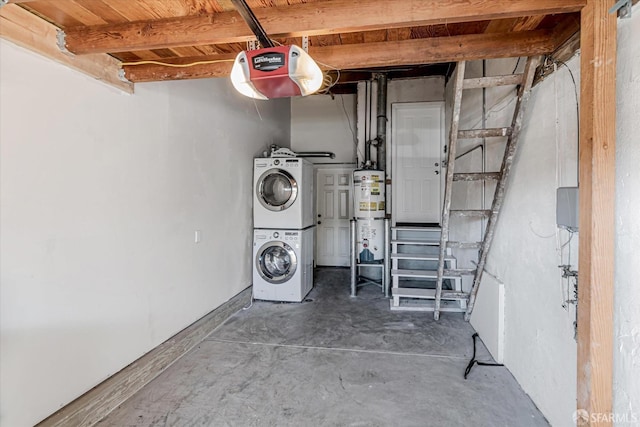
x=276, y=262
x=276, y=189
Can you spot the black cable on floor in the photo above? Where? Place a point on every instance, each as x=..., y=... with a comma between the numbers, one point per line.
x=473, y=360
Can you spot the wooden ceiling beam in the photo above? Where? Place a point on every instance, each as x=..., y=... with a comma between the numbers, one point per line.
x=27, y=30
x=380, y=54
x=326, y=17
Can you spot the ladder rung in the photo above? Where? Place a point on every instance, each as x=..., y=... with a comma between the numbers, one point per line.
x=483, y=133
x=419, y=257
x=457, y=272
x=477, y=176
x=471, y=213
x=492, y=81
x=454, y=295
x=464, y=245
x=416, y=242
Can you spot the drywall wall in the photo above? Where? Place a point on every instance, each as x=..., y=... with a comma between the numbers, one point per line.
x=325, y=123
x=539, y=346
x=101, y=196
x=626, y=359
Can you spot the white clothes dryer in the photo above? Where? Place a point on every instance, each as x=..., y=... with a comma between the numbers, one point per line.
x=283, y=193
x=283, y=264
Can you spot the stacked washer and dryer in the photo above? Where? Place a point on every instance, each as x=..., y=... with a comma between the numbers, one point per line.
x=283, y=221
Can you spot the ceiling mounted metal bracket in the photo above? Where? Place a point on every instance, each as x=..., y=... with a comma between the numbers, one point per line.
x=623, y=7
x=305, y=43
x=253, y=45
x=122, y=76
x=61, y=41
x=247, y=14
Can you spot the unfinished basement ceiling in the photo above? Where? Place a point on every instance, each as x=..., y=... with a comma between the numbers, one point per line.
x=365, y=35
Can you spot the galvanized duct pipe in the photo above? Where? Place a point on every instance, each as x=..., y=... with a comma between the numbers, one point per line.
x=382, y=121
x=316, y=154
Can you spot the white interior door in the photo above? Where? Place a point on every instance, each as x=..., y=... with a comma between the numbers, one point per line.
x=335, y=206
x=417, y=132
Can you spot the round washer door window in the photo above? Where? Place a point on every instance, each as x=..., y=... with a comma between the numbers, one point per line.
x=276, y=262
x=277, y=189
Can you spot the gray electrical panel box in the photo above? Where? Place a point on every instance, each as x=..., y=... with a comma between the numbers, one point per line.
x=567, y=208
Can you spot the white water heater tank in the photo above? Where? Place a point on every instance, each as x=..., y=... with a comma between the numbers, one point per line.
x=370, y=241
x=368, y=193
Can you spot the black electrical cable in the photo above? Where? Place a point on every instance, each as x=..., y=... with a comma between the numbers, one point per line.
x=516, y=67
x=575, y=91
x=473, y=360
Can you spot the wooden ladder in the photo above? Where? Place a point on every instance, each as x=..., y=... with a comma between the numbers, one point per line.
x=524, y=82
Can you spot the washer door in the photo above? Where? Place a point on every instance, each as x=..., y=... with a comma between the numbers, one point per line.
x=276, y=262
x=277, y=190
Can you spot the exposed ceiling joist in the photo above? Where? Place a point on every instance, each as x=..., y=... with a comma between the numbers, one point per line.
x=27, y=30
x=326, y=17
x=380, y=54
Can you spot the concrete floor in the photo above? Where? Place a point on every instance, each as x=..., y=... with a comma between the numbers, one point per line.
x=332, y=361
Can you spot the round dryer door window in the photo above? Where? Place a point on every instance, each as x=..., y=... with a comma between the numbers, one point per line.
x=277, y=189
x=276, y=262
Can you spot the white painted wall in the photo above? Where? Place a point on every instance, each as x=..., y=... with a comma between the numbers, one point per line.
x=323, y=123
x=626, y=359
x=101, y=194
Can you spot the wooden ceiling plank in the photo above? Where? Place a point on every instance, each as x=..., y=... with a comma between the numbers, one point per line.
x=226, y=5
x=50, y=12
x=380, y=54
x=375, y=36
x=527, y=23
x=500, y=25
x=103, y=10
x=398, y=34
x=330, y=16
x=78, y=12
x=27, y=30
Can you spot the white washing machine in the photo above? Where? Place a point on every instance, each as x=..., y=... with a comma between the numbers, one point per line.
x=283, y=264
x=283, y=193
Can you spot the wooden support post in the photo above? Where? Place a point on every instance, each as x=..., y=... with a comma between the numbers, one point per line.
x=597, y=182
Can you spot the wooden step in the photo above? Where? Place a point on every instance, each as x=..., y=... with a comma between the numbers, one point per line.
x=420, y=257
x=492, y=81
x=426, y=305
x=464, y=245
x=477, y=176
x=432, y=274
x=483, y=133
x=471, y=213
x=455, y=295
x=416, y=242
